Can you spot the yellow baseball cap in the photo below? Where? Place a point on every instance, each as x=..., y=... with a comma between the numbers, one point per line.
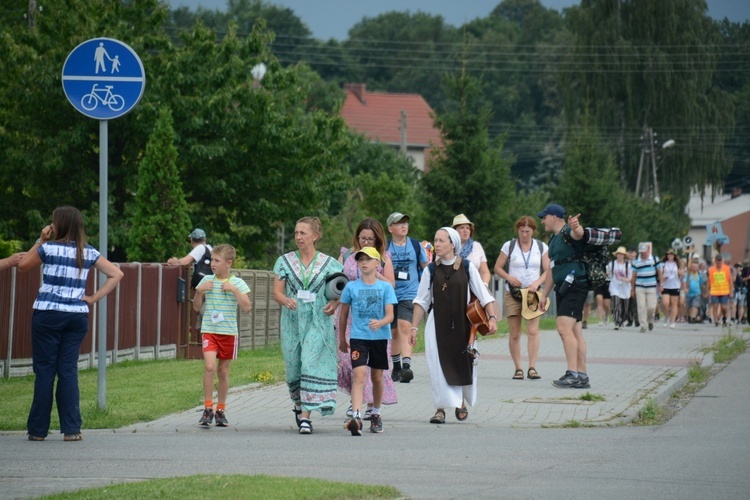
x=369, y=251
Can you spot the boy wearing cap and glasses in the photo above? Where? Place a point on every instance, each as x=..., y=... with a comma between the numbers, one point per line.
x=408, y=257
x=563, y=262
x=371, y=303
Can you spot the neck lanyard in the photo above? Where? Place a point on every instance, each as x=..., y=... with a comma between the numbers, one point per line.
x=307, y=271
x=526, y=258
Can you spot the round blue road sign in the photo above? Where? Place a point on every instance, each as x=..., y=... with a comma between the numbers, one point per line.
x=103, y=78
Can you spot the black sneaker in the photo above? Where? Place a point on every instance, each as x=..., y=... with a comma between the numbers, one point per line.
x=354, y=426
x=221, y=419
x=376, y=424
x=407, y=375
x=650, y=326
x=583, y=383
x=207, y=418
x=566, y=381
x=396, y=374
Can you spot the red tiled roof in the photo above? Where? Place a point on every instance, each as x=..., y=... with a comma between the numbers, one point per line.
x=378, y=117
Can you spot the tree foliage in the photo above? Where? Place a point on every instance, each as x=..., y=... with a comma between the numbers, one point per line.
x=651, y=64
x=160, y=222
x=469, y=175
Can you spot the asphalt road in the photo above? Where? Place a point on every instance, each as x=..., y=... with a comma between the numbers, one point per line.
x=702, y=453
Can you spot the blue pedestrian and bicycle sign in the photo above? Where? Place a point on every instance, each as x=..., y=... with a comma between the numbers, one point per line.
x=103, y=78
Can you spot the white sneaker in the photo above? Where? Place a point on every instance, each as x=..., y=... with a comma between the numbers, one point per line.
x=671, y=325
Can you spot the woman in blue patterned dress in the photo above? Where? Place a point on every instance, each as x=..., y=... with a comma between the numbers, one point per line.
x=61, y=318
x=307, y=337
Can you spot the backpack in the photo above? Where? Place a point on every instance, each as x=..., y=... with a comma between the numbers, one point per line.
x=595, y=256
x=202, y=267
x=513, y=245
x=417, y=250
x=432, y=266
x=516, y=292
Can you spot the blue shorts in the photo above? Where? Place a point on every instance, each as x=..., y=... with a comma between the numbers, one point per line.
x=720, y=299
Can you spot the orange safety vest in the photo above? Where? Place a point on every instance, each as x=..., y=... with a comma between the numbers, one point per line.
x=719, y=280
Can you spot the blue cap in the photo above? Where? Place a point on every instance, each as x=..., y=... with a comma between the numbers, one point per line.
x=552, y=209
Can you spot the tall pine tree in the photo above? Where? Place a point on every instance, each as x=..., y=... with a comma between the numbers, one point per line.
x=161, y=221
x=469, y=175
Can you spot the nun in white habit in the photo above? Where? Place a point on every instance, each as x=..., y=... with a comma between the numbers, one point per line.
x=444, y=291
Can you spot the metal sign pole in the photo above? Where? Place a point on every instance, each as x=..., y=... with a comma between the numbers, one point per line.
x=102, y=318
x=103, y=78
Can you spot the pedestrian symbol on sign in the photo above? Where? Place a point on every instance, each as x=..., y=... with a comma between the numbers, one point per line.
x=103, y=78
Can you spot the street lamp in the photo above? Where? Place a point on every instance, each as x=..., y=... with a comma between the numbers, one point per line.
x=258, y=72
x=667, y=144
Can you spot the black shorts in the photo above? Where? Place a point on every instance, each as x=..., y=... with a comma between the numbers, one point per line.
x=603, y=291
x=403, y=310
x=571, y=304
x=372, y=353
x=672, y=292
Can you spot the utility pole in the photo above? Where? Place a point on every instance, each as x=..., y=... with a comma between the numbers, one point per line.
x=403, y=131
x=647, y=148
x=32, y=14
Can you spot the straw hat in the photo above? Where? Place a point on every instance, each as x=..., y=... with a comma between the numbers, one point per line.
x=461, y=219
x=621, y=250
x=530, y=304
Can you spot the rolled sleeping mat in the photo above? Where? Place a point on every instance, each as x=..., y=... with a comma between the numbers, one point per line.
x=335, y=284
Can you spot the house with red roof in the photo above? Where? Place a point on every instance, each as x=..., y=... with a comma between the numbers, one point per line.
x=403, y=121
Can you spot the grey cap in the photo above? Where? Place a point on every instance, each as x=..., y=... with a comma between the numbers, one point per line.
x=396, y=217
x=197, y=234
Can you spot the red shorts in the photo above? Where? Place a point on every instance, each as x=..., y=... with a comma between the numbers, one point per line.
x=225, y=346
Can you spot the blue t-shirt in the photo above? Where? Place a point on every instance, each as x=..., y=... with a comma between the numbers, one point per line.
x=694, y=282
x=368, y=302
x=405, y=263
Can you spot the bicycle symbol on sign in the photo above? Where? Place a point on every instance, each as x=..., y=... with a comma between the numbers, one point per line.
x=90, y=101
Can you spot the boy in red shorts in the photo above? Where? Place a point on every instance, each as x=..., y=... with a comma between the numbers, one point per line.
x=221, y=292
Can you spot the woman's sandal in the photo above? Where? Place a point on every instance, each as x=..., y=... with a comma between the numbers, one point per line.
x=533, y=374
x=438, y=417
x=462, y=414
x=518, y=375
x=305, y=426
x=297, y=413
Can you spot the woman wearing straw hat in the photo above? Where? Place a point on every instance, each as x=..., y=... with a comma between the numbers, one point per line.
x=620, y=286
x=521, y=264
x=471, y=250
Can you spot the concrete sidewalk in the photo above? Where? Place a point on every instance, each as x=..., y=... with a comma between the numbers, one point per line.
x=627, y=368
x=502, y=450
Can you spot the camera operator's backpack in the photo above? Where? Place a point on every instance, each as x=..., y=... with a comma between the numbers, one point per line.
x=202, y=267
x=595, y=256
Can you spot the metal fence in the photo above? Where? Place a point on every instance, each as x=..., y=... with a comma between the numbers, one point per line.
x=149, y=316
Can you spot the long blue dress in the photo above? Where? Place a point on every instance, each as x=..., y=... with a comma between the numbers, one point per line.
x=308, y=340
